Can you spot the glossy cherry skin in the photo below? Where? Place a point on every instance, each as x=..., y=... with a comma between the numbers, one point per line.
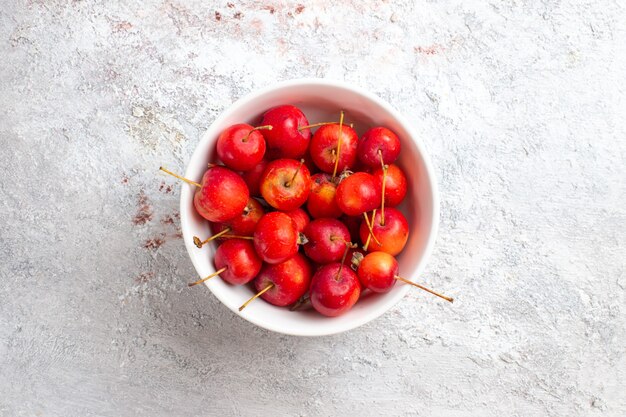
x=245, y=223
x=223, y=195
x=334, y=289
x=377, y=271
x=291, y=280
x=321, y=202
x=358, y=193
x=393, y=235
x=327, y=239
x=253, y=177
x=285, y=140
x=240, y=259
x=240, y=147
x=276, y=237
x=324, y=147
x=395, y=184
x=378, y=139
x=281, y=189
x=300, y=217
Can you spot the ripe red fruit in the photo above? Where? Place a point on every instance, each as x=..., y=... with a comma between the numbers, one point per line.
x=377, y=271
x=289, y=279
x=253, y=177
x=395, y=184
x=358, y=194
x=223, y=195
x=285, y=184
x=334, y=289
x=240, y=147
x=392, y=235
x=245, y=223
x=321, y=202
x=327, y=239
x=378, y=139
x=242, y=225
x=324, y=147
x=285, y=140
x=300, y=217
x=276, y=237
x=240, y=260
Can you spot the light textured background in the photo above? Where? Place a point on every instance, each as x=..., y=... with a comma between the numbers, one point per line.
x=520, y=104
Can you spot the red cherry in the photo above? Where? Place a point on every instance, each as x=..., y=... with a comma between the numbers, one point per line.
x=300, y=217
x=253, y=177
x=327, y=239
x=276, y=237
x=334, y=289
x=392, y=234
x=245, y=223
x=358, y=194
x=321, y=202
x=324, y=148
x=377, y=271
x=286, y=184
x=240, y=260
x=378, y=139
x=395, y=184
x=241, y=147
x=241, y=226
x=289, y=280
x=223, y=195
x=285, y=140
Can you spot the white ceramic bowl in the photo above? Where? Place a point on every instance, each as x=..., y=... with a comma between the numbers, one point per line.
x=320, y=100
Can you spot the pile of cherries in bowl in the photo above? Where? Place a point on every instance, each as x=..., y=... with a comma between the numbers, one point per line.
x=307, y=219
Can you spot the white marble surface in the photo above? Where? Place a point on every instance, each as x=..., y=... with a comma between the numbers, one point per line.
x=521, y=105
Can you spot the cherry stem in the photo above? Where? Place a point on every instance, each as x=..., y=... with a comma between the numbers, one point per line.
x=288, y=183
x=371, y=230
x=257, y=295
x=338, y=144
x=357, y=257
x=320, y=124
x=265, y=127
x=199, y=243
x=238, y=237
x=450, y=299
x=302, y=301
x=367, y=242
x=214, y=274
x=349, y=245
x=167, y=171
x=382, y=204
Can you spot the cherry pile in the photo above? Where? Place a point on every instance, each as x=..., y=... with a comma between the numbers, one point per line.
x=306, y=219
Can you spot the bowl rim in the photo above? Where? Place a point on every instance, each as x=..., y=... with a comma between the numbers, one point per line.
x=301, y=82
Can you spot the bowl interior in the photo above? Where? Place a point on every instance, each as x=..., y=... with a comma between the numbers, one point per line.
x=320, y=101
